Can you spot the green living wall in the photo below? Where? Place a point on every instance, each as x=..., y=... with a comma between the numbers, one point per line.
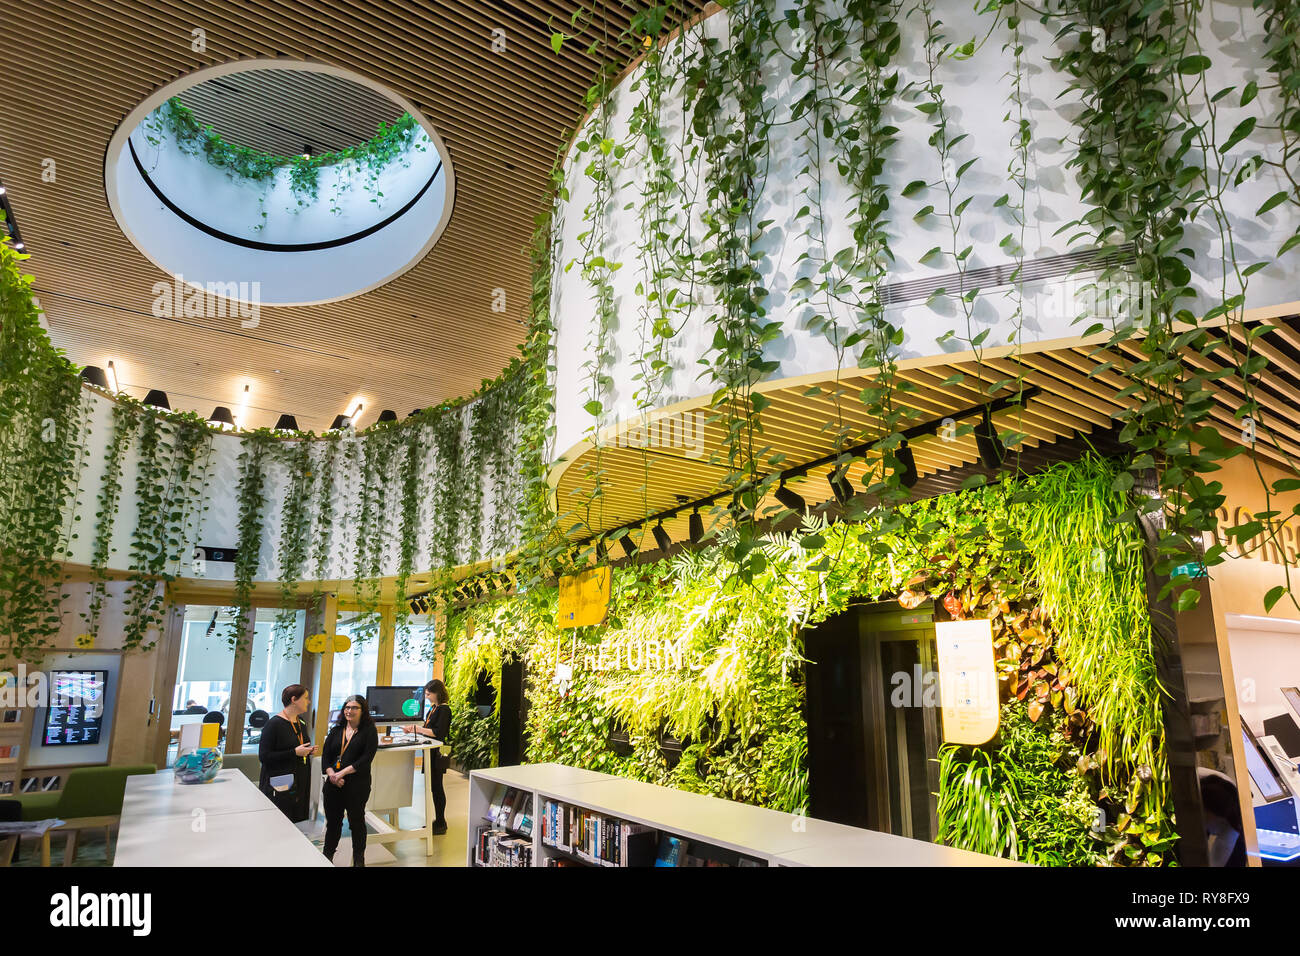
x=1045, y=557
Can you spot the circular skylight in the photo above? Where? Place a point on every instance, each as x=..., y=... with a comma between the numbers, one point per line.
x=279, y=182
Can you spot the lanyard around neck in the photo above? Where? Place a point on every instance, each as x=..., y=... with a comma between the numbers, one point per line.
x=343, y=748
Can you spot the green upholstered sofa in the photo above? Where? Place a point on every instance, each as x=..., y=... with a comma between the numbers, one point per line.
x=91, y=797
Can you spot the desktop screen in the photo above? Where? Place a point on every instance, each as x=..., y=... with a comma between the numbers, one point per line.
x=1262, y=774
x=76, y=711
x=398, y=705
x=1292, y=696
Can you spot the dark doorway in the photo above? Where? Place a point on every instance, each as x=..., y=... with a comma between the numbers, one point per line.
x=873, y=720
x=514, y=703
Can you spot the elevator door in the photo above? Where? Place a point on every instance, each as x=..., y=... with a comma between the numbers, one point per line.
x=873, y=730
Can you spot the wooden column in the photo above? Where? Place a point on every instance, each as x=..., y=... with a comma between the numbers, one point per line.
x=165, y=681
x=239, y=686
x=325, y=668
x=387, y=645
x=1180, y=740
x=1233, y=717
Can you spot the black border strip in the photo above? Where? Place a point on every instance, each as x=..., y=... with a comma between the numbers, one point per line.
x=272, y=246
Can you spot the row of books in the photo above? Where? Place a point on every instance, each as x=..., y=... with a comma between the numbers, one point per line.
x=512, y=809
x=497, y=847
x=606, y=841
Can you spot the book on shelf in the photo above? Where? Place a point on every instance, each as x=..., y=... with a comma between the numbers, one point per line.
x=507, y=807
x=498, y=798
x=498, y=847
x=9, y=752
x=524, y=820
x=672, y=850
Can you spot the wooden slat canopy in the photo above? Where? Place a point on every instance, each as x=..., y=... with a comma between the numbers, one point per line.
x=1077, y=401
x=74, y=69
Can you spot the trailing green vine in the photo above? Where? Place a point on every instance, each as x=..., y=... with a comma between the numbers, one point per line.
x=392, y=142
x=39, y=451
x=253, y=459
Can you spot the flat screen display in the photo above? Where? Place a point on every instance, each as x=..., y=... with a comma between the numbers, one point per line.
x=1292, y=696
x=396, y=705
x=76, y=712
x=1262, y=774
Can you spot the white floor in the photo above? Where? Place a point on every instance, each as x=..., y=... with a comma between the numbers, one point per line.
x=448, y=848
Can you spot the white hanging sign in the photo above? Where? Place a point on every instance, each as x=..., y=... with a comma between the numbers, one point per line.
x=968, y=681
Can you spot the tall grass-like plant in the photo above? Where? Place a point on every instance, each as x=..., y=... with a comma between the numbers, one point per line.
x=977, y=804
x=1088, y=565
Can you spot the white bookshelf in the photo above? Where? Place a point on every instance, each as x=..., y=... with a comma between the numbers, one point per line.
x=778, y=839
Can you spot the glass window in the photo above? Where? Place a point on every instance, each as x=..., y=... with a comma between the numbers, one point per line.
x=276, y=663
x=413, y=656
x=358, y=667
x=205, y=672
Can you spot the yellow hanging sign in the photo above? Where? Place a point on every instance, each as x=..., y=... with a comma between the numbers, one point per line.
x=584, y=598
x=968, y=681
x=315, y=643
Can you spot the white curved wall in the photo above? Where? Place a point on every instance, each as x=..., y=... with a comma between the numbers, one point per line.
x=975, y=91
x=218, y=525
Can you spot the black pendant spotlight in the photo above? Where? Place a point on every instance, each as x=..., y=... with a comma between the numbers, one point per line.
x=286, y=423
x=94, y=375
x=388, y=415
x=790, y=499
x=602, y=554
x=661, y=538
x=696, y=526
x=221, y=416
x=340, y=423
x=992, y=450
x=907, y=458
x=414, y=412
x=157, y=398
x=628, y=547
x=840, y=486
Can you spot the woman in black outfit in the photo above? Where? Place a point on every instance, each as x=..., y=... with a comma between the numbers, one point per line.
x=349, y=749
x=437, y=726
x=286, y=748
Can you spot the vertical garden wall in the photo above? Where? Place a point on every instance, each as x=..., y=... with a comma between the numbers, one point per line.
x=692, y=652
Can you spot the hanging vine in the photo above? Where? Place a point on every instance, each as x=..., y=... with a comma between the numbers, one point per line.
x=728, y=114
x=253, y=459
x=39, y=415
x=295, y=531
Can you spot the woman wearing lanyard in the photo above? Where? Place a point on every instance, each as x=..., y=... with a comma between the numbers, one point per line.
x=285, y=750
x=349, y=749
x=437, y=726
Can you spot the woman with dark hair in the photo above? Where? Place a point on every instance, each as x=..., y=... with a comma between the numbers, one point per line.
x=436, y=726
x=346, y=756
x=286, y=751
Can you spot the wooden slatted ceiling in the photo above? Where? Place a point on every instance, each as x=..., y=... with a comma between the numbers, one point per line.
x=1077, y=402
x=75, y=68
x=281, y=111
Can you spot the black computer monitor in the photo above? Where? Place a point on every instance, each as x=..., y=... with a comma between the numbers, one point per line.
x=396, y=705
x=1283, y=728
x=1268, y=783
